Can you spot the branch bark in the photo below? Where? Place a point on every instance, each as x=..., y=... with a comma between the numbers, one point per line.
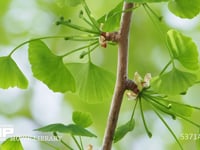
x=122, y=80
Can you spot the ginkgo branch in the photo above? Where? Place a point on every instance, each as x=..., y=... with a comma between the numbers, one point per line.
x=121, y=82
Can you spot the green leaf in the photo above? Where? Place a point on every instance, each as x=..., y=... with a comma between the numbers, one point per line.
x=50, y=68
x=184, y=8
x=73, y=2
x=183, y=49
x=70, y=129
x=111, y=21
x=10, y=74
x=12, y=144
x=123, y=130
x=82, y=119
x=94, y=84
x=146, y=1
x=173, y=82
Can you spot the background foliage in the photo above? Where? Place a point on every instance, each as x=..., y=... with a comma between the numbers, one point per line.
x=38, y=106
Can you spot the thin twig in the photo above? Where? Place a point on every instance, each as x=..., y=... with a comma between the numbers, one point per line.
x=121, y=81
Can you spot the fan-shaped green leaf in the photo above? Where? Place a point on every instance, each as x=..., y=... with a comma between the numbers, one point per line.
x=183, y=49
x=122, y=130
x=184, y=8
x=94, y=84
x=70, y=129
x=12, y=144
x=82, y=119
x=173, y=82
x=146, y=1
x=10, y=74
x=111, y=21
x=50, y=68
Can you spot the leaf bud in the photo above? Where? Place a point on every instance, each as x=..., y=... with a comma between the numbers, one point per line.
x=169, y=106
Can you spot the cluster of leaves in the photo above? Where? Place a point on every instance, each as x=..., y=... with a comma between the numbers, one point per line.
x=161, y=105
x=181, y=77
x=174, y=80
x=77, y=129
x=94, y=84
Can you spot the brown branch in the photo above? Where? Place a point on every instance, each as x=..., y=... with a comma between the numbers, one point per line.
x=121, y=82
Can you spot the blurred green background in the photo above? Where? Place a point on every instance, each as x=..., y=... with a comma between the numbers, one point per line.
x=38, y=106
